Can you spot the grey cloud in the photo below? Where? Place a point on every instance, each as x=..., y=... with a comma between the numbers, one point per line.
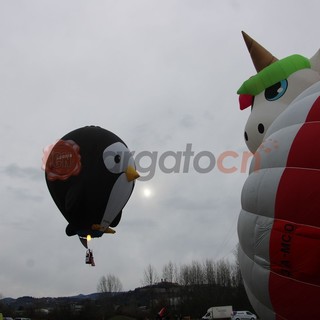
x=15, y=171
x=186, y=203
x=24, y=193
x=188, y=121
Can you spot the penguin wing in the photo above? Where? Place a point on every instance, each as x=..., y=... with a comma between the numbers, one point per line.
x=118, y=198
x=116, y=221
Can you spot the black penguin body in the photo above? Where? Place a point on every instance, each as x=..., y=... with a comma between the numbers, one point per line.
x=79, y=181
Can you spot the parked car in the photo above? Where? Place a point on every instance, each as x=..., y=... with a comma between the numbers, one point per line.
x=239, y=315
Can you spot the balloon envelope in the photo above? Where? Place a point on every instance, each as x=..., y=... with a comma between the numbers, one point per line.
x=86, y=174
x=279, y=224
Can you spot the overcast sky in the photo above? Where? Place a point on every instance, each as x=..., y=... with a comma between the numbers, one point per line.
x=160, y=74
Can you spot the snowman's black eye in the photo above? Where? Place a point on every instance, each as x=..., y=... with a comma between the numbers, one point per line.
x=276, y=91
x=261, y=128
x=117, y=158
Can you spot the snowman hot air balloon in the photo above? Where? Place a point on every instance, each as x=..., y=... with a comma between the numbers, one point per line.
x=279, y=224
x=90, y=174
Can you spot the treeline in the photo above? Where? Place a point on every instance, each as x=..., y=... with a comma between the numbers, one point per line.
x=186, y=290
x=200, y=285
x=221, y=273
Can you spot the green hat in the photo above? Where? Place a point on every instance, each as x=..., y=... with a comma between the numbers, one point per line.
x=275, y=72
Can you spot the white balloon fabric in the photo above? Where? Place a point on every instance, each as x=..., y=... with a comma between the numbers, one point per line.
x=279, y=224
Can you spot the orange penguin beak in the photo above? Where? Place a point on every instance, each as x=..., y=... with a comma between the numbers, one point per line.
x=131, y=173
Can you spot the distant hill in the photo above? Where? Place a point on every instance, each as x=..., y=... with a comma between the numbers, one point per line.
x=49, y=301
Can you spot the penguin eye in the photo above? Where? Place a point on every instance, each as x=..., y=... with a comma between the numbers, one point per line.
x=117, y=157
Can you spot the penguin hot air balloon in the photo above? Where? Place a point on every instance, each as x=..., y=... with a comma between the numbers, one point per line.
x=90, y=174
x=279, y=224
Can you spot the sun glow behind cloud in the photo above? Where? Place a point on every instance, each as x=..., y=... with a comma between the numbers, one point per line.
x=147, y=192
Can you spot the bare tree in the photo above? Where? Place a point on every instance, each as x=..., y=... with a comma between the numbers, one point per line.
x=102, y=285
x=209, y=272
x=237, y=278
x=223, y=273
x=184, y=275
x=170, y=272
x=150, y=276
x=110, y=283
x=196, y=273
